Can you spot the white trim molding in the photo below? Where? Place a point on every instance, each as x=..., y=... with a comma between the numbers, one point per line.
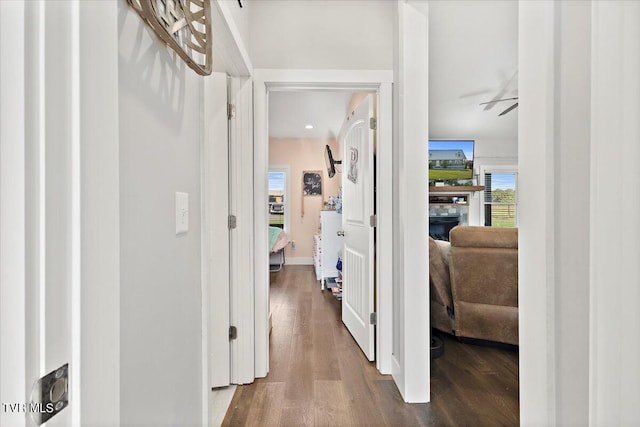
x=243, y=238
x=411, y=343
x=13, y=313
x=536, y=239
x=614, y=321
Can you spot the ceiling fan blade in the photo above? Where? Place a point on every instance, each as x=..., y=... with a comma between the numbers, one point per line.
x=489, y=105
x=515, y=98
x=508, y=109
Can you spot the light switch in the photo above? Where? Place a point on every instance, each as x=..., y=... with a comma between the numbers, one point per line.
x=182, y=212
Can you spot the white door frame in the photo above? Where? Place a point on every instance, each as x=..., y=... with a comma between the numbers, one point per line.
x=266, y=80
x=411, y=344
x=215, y=265
x=13, y=317
x=65, y=183
x=242, y=245
x=578, y=66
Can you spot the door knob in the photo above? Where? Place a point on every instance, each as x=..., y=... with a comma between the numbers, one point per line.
x=340, y=232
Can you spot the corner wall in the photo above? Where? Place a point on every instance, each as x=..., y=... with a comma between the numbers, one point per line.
x=161, y=344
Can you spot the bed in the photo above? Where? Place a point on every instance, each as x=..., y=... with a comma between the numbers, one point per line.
x=278, y=240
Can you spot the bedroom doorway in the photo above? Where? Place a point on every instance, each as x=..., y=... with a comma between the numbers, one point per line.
x=304, y=209
x=266, y=82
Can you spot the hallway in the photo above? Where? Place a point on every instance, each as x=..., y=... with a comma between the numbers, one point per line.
x=318, y=375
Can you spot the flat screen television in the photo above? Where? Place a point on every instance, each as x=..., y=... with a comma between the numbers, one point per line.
x=451, y=161
x=330, y=161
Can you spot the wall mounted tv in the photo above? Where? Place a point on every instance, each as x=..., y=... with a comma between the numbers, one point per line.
x=330, y=161
x=451, y=161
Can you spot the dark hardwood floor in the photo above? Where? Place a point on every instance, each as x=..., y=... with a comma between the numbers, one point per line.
x=319, y=377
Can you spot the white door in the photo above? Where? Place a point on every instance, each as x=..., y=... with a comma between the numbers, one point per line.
x=358, y=207
x=215, y=184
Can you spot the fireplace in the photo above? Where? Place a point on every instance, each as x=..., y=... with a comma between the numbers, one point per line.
x=440, y=226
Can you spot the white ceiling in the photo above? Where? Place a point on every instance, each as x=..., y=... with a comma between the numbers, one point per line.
x=473, y=57
x=290, y=112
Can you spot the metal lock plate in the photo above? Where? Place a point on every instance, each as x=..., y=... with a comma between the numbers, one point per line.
x=50, y=395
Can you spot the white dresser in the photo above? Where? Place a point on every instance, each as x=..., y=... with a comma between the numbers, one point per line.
x=326, y=246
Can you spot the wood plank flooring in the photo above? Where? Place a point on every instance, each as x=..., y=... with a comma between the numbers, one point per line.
x=319, y=377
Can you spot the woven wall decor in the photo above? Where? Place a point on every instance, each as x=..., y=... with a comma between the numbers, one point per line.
x=185, y=25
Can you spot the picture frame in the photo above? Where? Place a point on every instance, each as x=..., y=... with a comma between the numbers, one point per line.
x=312, y=183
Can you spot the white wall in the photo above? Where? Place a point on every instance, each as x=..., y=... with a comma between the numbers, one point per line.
x=159, y=110
x=322, y=34
x=411, y=348
x=614, y=318
x=578, y=290
x=240, y=17
x=473, y=58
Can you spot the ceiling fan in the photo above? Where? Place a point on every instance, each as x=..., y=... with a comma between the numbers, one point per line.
x=512, y=107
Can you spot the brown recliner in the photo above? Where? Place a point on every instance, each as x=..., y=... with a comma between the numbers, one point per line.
x=483, y=267
x=440, y=288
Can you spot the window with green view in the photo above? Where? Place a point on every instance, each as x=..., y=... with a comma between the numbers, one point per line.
x=500, y=199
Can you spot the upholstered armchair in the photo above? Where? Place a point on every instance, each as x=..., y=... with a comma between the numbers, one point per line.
x=483, y=266
x=440, y=286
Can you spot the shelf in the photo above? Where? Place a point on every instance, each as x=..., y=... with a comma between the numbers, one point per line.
x=456, y=189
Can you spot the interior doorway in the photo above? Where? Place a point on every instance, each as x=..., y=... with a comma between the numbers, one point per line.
x=473, y=147
x=305, y=181
x=281, y=81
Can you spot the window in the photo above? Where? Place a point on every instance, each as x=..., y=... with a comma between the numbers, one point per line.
x=278, y=198
x=500, y=199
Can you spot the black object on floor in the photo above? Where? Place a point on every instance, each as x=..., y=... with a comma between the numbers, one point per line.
x=437, y=346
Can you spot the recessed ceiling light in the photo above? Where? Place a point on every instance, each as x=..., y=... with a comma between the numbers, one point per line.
x=308, y=127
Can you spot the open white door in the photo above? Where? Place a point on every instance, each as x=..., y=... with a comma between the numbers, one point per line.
x=357, y=212
x=215, y=184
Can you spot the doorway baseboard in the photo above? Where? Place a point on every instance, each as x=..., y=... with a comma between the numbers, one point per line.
x=299, y=261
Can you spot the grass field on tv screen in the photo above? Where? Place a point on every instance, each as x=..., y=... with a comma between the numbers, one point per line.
x=445, y=174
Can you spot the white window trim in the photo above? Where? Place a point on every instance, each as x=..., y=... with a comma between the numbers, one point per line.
x=287, y=172
x=485, y=169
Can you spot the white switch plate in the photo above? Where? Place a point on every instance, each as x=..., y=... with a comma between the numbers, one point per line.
x=182, y=212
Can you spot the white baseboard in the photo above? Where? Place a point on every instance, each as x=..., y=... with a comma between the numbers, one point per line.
x=298, y=261
x=219, y=404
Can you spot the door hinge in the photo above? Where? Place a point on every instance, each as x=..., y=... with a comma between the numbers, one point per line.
x=232, y=222
x=233, y=333
x=231, y=111
x=373, y=220
x=373, y=123
x=373, y=318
